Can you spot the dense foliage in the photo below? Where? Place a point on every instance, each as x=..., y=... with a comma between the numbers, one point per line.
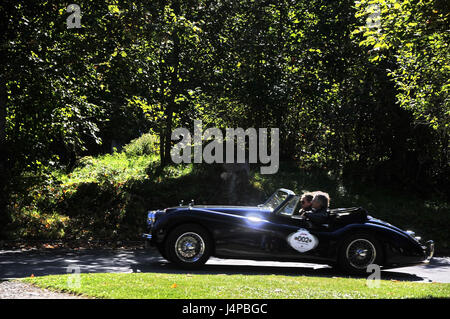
x=368, y=103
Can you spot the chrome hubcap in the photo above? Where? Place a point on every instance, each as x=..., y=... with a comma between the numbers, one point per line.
x=361, y=253
x=189, y=247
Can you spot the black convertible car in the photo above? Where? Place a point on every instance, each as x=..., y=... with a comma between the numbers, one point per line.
x=350, y=239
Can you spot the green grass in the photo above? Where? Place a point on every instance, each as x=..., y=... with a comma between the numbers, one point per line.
x=116, y=168
x=185, y=286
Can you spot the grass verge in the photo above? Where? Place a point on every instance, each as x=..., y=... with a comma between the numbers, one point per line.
x=191, y=286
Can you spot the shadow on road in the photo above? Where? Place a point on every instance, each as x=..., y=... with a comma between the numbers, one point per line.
x=20, y=264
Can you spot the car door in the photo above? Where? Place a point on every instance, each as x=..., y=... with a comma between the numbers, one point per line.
x=265, y=236
x=294, y=238
x=255, y=236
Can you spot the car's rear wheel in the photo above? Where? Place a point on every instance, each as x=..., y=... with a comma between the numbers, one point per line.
x=189, y=246
x=358, y=252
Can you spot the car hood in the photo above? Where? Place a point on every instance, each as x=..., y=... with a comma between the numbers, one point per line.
x=235, y=210
x=376, y=221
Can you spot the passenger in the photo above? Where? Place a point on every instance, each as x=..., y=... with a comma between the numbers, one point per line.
x=320, y=203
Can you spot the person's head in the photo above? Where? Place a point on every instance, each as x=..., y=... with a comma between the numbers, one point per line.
x=320, y=200
x=306, y=201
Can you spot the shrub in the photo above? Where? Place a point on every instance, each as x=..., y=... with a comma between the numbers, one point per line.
x=147, y=144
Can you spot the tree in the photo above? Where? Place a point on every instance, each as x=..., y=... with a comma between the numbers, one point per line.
x=415, y=34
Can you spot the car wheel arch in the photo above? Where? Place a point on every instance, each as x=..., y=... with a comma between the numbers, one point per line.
x=366, y=233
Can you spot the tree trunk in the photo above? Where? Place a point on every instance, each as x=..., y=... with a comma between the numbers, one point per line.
x=4, y=172
x=174, y=61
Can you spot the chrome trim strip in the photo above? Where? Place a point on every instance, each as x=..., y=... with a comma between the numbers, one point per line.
x=147, y=236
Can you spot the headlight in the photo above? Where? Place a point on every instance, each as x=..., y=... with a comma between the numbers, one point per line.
x=151, y=217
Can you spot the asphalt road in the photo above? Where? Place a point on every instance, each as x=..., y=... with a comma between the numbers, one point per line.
x=19, y=264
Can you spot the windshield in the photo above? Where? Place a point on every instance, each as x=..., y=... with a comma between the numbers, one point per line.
x=277, y=198
x=290, y=207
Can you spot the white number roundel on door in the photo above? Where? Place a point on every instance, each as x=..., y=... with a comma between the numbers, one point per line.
x=302, y=240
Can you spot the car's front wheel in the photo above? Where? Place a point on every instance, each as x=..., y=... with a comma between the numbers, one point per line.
x=188, y=245
x=358, y=252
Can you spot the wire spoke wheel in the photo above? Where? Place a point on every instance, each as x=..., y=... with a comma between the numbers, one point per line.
x=189, y=247
x=360, y=253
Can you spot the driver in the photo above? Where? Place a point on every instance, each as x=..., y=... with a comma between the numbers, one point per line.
x=319, y=213
x=306, y=204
